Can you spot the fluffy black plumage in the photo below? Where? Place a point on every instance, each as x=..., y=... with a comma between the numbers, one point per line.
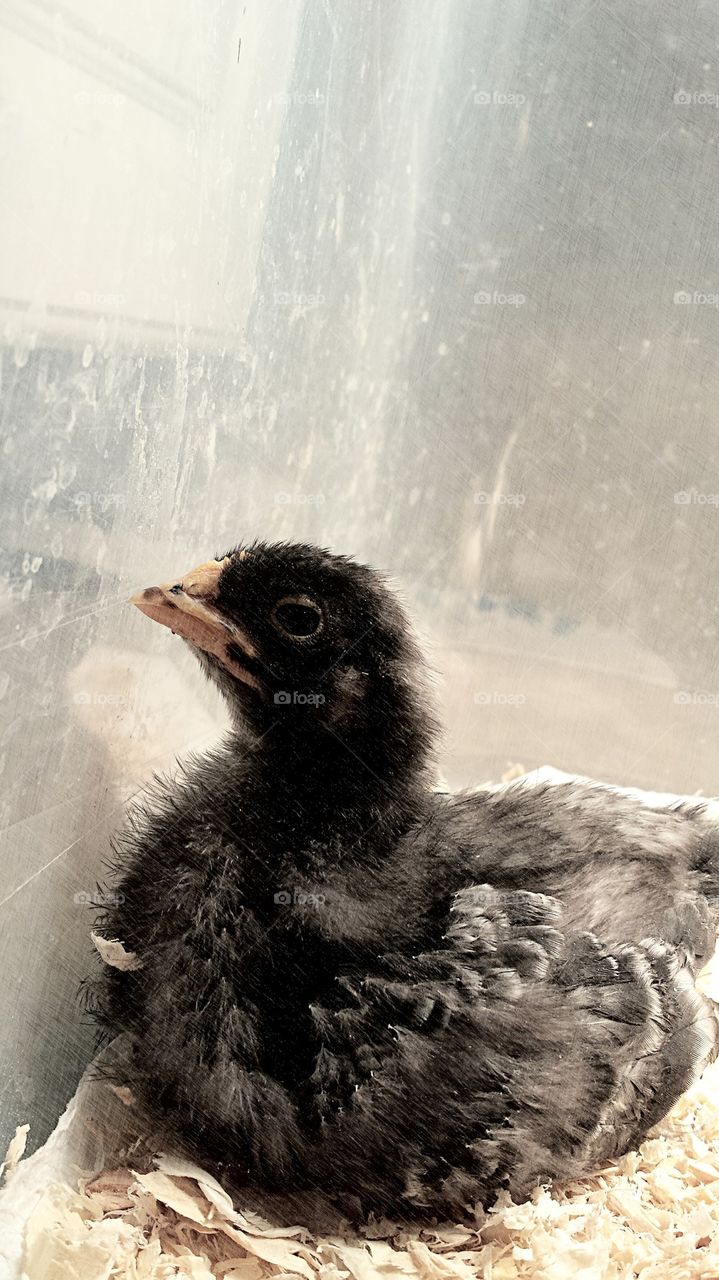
x=352, y=983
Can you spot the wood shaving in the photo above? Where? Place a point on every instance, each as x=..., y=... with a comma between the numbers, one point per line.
x=512, y=772
x=114, y=953
x=15, y=1151
x=124, y=1093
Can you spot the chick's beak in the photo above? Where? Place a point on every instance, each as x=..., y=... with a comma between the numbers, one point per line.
x=188, y=607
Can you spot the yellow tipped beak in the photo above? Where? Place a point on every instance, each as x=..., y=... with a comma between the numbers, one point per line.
x=187, y=606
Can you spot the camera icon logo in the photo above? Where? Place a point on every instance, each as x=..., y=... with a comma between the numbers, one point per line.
x=283, y=898
x=283, y=698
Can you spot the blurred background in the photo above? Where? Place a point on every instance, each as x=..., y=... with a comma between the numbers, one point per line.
x=431, y=282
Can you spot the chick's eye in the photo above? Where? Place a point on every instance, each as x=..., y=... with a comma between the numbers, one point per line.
x=298, y=616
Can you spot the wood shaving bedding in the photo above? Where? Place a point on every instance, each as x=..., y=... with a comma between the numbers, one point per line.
x=654, y=1215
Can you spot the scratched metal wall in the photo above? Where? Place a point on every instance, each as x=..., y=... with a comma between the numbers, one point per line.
x=433, y=282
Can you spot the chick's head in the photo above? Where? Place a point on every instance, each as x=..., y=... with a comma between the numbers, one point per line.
x=298, y=638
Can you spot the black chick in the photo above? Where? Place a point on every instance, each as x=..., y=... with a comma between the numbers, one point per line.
x=348, y=982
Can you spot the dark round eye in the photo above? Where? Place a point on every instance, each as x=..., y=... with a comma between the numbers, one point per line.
x=298, y=616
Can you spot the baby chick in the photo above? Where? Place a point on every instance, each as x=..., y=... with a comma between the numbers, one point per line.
x=349, y=983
